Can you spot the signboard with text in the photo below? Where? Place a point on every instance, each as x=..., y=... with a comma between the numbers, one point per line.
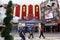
x=30, y=23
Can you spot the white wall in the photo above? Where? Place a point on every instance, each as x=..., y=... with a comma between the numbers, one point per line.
x=59, y=2
x=23, y=1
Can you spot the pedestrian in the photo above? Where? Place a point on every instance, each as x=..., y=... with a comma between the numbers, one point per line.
x=30, y=29
x=41, y=33
x=21, y=34
x=24, y=30
x=21, y=31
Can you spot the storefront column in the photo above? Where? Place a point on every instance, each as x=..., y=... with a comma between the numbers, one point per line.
x=51, y=28
x=14, y=11
x=39, y=26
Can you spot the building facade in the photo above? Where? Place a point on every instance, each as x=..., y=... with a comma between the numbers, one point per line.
x=35, y=11
x=50, y=13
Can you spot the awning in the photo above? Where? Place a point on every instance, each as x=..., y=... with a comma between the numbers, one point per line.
x=51, y=24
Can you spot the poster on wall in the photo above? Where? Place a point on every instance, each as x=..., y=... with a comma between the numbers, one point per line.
x=48, y=15
x=47, y=10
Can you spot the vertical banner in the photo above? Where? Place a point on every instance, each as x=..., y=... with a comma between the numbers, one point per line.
x=37, y=12
x=30, y=12
x=24, y=12
x=17, y=13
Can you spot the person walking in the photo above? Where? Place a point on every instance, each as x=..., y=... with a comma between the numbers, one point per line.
x=30, y=29
x=22, y=34
x=21, y=31
x=41, y=33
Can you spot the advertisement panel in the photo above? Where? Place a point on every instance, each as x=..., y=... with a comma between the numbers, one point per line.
x=48, y=14
x=30, y=23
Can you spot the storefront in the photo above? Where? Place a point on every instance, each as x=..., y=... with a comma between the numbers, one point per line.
x=31, y=23
x=58, y=21
x=50, y=13
x=51, y=27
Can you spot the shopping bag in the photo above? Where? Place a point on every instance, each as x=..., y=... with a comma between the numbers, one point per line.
x=29, y=36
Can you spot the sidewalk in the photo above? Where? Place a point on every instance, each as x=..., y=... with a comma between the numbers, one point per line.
x=49, y=36
x=36, y=38
x=37, y=34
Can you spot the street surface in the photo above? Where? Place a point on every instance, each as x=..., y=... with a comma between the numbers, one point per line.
x=49, y=36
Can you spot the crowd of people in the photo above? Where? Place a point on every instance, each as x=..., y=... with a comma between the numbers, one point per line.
x=22, y=33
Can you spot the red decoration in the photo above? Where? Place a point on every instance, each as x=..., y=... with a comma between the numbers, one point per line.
x=24, y=12
x=17, y=13
x=37, y=12
x=30, y=12
x=5, y=7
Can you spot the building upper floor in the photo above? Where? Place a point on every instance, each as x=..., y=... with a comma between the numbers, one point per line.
x=30, y=9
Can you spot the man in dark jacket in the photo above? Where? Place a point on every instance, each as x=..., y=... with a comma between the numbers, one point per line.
x=21, y=34
x=41, y=33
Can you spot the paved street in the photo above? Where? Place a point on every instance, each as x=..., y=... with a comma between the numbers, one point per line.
x=49, y=36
